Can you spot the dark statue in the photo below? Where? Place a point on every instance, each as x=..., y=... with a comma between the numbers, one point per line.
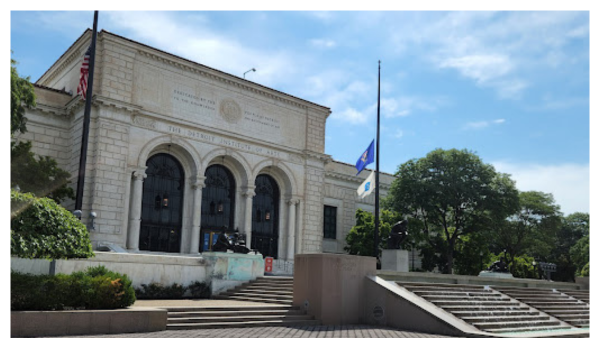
x=236, y=243
x=398, y=234
x=498, y=266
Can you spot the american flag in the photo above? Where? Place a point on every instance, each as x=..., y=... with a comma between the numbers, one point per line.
x=83, y=78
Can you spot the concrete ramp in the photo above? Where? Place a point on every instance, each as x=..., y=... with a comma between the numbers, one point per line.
x=458, y=310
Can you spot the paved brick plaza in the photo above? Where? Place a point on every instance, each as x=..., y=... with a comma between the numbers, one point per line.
x=350, y=331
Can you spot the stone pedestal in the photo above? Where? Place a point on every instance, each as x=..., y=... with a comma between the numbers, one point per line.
x=332, y=287
x=394, y=260
x=486, y=273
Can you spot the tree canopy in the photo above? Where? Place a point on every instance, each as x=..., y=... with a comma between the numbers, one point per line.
x=451, y=193
x=22, y=95
x=40, y=228
x=39, y=175
x=361, y=238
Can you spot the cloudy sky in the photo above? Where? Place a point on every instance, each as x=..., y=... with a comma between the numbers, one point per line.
x=514, y=87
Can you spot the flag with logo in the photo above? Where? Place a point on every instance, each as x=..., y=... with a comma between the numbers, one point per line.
x=83, y=75
x=367, y=157
x=367, y=187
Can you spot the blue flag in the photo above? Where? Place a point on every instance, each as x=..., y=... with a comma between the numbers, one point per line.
x=367, y=157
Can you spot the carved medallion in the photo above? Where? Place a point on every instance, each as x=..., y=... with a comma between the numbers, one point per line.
x=230, y=110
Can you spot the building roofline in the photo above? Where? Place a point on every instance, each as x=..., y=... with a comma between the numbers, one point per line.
x=60, y=91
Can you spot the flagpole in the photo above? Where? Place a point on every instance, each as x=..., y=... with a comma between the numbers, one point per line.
x=376, y=253
x=86, y=119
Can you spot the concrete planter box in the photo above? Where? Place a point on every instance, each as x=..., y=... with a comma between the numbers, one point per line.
x=85, y=322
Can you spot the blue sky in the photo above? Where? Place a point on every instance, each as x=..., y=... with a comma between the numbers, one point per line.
x=514, y=87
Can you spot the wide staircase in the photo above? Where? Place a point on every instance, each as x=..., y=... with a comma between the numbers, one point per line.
x=271, y=289
x=273, y=297
x=569, y=306
x=485, y=308
x=237, y=316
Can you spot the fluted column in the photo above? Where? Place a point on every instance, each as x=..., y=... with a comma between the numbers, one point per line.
x=196, y=215
x=291, y=228
x=249, y=195
x=135, y=216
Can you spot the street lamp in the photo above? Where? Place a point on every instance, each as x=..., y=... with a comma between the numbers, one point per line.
x=251, y=70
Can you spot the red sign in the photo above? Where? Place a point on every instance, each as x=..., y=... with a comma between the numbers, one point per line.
x=269, y=264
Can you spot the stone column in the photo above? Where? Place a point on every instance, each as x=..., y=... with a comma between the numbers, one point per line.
x=135, y=216
x=196, y=215
x=249, y=195
x=291, y=232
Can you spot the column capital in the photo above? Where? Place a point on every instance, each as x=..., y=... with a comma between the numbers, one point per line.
x=249, y=192
x=293, y=201
x=139, y=174
x=197, y=182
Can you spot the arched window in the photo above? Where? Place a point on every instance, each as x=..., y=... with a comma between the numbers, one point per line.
x=265, y=223
x=162, y=204
x=218, y=204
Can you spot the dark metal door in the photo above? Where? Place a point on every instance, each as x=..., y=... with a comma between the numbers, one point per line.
x=265, y=216
x=218, y=204
x=162, y=204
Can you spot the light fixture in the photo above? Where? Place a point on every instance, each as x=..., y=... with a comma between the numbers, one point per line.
x=251, y=70
x=165, y=201
x=93, y=216
x=220, y=207
x=267, y=215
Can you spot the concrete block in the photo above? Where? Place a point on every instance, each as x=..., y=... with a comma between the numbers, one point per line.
x=394, y=260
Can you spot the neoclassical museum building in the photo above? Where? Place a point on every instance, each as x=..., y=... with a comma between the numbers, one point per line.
x=178, y=150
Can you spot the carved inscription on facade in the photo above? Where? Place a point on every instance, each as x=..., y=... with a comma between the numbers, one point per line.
x=190, y=101
x=262, y=120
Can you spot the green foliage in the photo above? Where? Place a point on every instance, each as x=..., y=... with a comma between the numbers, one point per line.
x=360, y=239
x=581, y=256
x=92, y=289
x=451, y=194
x=175, y=291
x=22, y=95
x=39, y=175
x=40, y=228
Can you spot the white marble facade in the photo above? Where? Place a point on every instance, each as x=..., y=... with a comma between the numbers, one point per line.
x=149, y=102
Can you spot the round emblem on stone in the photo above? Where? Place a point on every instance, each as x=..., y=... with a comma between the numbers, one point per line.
x=230, y=110
x=378, y=312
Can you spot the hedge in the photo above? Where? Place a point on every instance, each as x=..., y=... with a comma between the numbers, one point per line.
x=95, y=288
x=175, y=291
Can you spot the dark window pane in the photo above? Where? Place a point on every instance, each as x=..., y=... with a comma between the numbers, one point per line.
x=329, y=221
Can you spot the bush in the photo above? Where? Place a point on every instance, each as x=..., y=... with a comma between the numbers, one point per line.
x=174, y=291
x=95, y=288
x=40, y=228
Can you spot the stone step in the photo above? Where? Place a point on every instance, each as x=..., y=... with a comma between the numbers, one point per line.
x=578, y=322
x=262, y=291
x=258, y=295
x=564, y=307
x=507, y=307
x=234, y=312
x=242, y=324
x=466, y=298
x=493, y=318
x=567, y=311
x=230, y=308
x=237, y=318
x=456, y=293
x=267, y=286
x=260, y=299
x=515, y=324
x=547, y=303
x=527, y=329
x=441, y=288
x=572, y=316
x=442, y=303
x=500, y=313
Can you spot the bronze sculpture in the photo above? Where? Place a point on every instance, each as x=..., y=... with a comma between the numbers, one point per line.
x=236, y=244
x=398, y=234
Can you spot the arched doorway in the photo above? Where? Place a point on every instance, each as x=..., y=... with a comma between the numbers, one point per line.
x=218, y=204
x=162, y=204
x=265, y=216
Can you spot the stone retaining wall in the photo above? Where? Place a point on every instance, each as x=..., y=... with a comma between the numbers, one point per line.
x=85, y=322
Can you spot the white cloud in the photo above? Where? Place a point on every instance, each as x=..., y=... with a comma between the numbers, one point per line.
x=568, y=183
x=482, y=124
x=481, y=68
x=351, y=116
x=322, y=43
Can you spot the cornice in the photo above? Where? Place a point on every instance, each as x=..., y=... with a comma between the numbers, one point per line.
x=212, y=75
x=318, y=156
x=58, y=111
x=354, y=179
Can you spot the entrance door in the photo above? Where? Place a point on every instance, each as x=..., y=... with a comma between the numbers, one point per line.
x=162, y=204
x=265, y=216
x=218, y=204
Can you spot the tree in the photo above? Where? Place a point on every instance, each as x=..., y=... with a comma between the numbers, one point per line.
x=38, y=175
x=360, y=239
x=21, y=96
x=569, y=250
x=532, y=230
x=451, y=193
x=40, y=228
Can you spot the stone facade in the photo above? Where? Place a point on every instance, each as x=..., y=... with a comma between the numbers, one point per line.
x=148, y=102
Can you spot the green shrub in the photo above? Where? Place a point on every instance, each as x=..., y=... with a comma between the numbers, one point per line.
x=95, y=288
x=174, y=291
x=40, y=228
